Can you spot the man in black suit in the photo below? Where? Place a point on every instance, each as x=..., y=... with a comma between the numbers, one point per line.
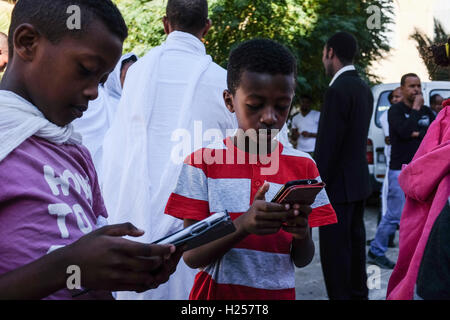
x=341, y=158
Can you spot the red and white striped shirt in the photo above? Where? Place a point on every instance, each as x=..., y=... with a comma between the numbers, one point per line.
x=225, y=178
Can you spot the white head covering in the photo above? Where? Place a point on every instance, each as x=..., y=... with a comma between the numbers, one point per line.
x=20, y=119
x=93, y=125
x=98, y=118
x=113, y=87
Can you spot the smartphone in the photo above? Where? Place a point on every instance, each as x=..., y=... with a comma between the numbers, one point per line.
x=293, y=183
x=299, y=191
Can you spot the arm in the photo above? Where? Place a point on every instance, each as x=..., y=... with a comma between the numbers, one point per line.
x=423, y=131
x=210, y=252
x=36, y=280
x=302, y=251
x=403, y=127
x=294, y=130
x=262, y=218
x=309, y=134
x=294, y=134
x=302, y=248
x=106, y=260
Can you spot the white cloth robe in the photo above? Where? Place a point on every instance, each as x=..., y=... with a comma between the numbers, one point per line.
x=171, y=87
x=97, y=119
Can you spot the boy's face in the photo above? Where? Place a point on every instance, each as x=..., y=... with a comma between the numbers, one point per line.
x=262, y=101
x=61, y=78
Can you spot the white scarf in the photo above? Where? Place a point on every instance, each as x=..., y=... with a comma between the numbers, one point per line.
x=113, y=88
x=19, y=120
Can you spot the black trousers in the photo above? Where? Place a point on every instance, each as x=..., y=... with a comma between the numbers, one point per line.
x=343, y=253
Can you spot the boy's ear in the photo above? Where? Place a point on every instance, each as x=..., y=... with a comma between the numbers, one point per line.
x=167, y=27
x=228, y=99
x=25, y=40
x=330, y=53
x=207, y=27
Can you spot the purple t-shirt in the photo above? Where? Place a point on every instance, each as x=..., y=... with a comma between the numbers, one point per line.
x=49, y=197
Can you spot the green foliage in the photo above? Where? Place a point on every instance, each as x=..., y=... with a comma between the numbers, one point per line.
x=144, y=20
x=302, y=25
x=5, y=16
x=285, y=21
x=424, y=42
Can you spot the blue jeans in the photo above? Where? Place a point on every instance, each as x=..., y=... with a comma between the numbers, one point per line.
x=389, y=222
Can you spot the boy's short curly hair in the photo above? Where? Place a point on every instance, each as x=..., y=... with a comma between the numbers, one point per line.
x=50, y=18
x=262, y=56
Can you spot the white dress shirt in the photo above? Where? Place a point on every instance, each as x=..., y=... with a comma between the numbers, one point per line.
x=341, y=71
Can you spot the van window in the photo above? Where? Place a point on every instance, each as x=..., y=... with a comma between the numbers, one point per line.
x=383, y=105
x=442, y=92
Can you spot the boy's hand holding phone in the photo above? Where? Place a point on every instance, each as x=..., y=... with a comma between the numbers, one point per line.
x=268, y=217
x=298, y=226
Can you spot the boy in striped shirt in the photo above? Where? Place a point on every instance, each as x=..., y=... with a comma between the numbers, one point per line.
x=239, y=174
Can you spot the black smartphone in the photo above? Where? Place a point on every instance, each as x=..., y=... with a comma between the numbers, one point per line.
x=293, y=183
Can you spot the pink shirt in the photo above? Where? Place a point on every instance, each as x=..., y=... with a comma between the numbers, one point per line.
x=49, y=197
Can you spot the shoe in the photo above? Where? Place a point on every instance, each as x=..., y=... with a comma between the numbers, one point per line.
x=381, y=261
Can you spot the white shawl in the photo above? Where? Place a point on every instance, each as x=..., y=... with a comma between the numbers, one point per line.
x=113, y=88
x=98, y=117
x=93, y=125
x=19, y=120
x=165, y=90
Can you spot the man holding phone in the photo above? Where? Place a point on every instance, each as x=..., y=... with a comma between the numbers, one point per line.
x=408, y=123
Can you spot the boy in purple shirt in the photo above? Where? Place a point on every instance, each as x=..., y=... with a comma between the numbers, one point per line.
x=50, y=200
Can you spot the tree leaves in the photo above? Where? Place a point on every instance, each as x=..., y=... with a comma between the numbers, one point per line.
x=302, y=25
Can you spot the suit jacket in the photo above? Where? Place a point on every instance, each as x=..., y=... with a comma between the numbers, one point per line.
x=341, y=143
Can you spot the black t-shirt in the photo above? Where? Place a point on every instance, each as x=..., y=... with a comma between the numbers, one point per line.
x=403, y=121
x=433, y=280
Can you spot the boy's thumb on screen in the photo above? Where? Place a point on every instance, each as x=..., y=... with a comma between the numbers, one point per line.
x=261, y=193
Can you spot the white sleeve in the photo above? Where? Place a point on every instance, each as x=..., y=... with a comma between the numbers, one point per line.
x=384, y=123
x=294, y=122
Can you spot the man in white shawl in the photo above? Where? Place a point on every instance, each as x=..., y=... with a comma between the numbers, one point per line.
x=172, y=96
x=99, y=116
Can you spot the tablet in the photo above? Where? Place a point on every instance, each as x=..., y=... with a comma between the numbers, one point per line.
x=212, y=228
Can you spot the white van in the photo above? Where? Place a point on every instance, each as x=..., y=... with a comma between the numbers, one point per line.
x=375, y=143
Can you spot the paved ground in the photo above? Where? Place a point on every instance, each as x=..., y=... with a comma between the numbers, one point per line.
x=309, y=280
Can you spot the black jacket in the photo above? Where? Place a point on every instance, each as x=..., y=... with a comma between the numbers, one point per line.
x=403, y=121
x=341, y=143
